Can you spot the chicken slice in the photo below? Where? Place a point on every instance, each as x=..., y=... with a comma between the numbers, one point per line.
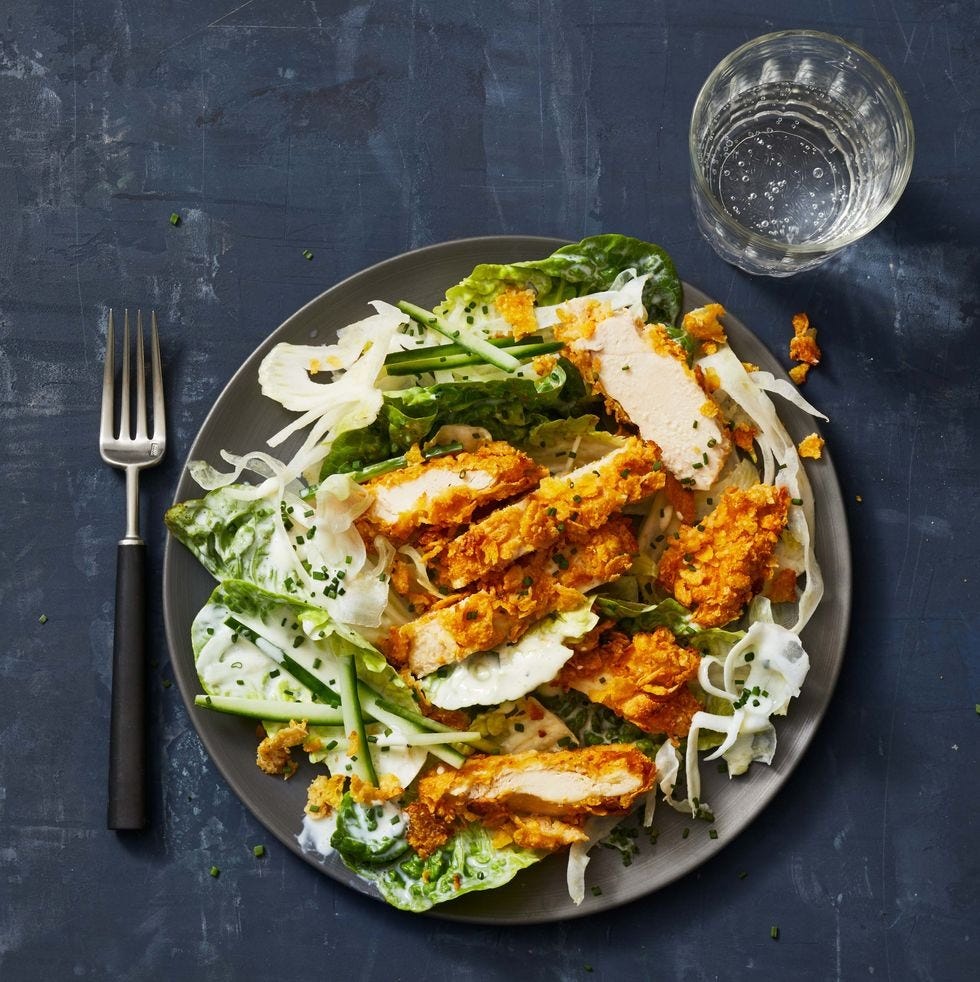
x=644, y=377
x=642, y=679
x=715, y=568
x=446, y=490
x=580, y=500
x=600, y=780
x=511, y=600
x=543, y=832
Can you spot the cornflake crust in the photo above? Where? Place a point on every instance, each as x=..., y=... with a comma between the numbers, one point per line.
x=811, y=446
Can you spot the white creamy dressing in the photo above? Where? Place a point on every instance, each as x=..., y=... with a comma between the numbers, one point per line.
x=510, y=671
x=241, y=669
x=316, y=834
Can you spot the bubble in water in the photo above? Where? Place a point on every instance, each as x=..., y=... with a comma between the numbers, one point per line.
x=752, y=196
x=818, y=172
x=745, y=178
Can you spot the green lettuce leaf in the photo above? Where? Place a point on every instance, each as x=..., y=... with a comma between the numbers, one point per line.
x=551, y=443
x=635, y=617
x=589, y=266
x=369, y=834
x=592, y=723
x=467, y=862
x=229, y=536
x=509, y=408
x=304, y=632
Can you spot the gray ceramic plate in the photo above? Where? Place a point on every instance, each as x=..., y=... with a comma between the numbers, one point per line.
x=242, y=419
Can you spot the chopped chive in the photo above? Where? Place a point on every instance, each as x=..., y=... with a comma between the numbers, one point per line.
x=597, y=891
x=657, y=465
x=712, y=442
x=774, y=932
x=43, y=619
x=214, y=871
x=749, y=655
x=685, y=833
x=174, y=218
x=258, y=851
x=166, y=683
x=712, y=833
x=796, y=501
x=307, y=255
x=742, y=875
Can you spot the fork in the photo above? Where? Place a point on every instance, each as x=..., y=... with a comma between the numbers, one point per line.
x=131, y=452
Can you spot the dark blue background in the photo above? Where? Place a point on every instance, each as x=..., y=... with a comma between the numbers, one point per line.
x=358, y=131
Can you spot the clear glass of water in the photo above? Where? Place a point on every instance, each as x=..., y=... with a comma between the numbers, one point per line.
x=800, y=144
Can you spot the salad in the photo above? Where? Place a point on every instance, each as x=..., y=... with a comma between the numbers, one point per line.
x=529, y=558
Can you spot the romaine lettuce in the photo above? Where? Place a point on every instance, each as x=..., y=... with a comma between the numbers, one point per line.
x=369, y=834
x=468, y=861
x=589, y=266
x=508, y=408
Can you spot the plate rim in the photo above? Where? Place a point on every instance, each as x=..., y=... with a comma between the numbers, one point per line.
x=187, y=681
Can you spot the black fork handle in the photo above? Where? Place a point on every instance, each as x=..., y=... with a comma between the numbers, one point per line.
x=127, y=724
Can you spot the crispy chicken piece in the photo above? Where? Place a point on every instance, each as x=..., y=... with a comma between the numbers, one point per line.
x=272, y=754
x=716, y=571
x=643, y=679
x=645, y=379
x=509, y=601
x=600, y=780
x=445, y=490
x=580, y=500
x=543, y=832
x=324, y=795
x=426, y=833
x=681, y=499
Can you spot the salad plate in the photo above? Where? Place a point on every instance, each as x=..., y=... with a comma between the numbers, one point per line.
x=634, y=861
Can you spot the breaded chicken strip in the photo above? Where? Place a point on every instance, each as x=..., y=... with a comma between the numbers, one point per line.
x=445, y=490
x=600, y=780
x=580, y=500
x=715, y=569
x=646, y=382
x=511, y=600
x=643, y=679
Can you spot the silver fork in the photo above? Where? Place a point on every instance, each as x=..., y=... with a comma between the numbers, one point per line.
x=130, y=451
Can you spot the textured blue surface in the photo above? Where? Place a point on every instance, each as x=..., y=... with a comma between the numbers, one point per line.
x=358, y=131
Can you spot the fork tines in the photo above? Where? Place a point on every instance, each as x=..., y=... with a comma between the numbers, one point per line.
x=111, y=438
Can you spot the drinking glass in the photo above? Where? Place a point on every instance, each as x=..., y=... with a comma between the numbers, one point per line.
x=800, y=144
